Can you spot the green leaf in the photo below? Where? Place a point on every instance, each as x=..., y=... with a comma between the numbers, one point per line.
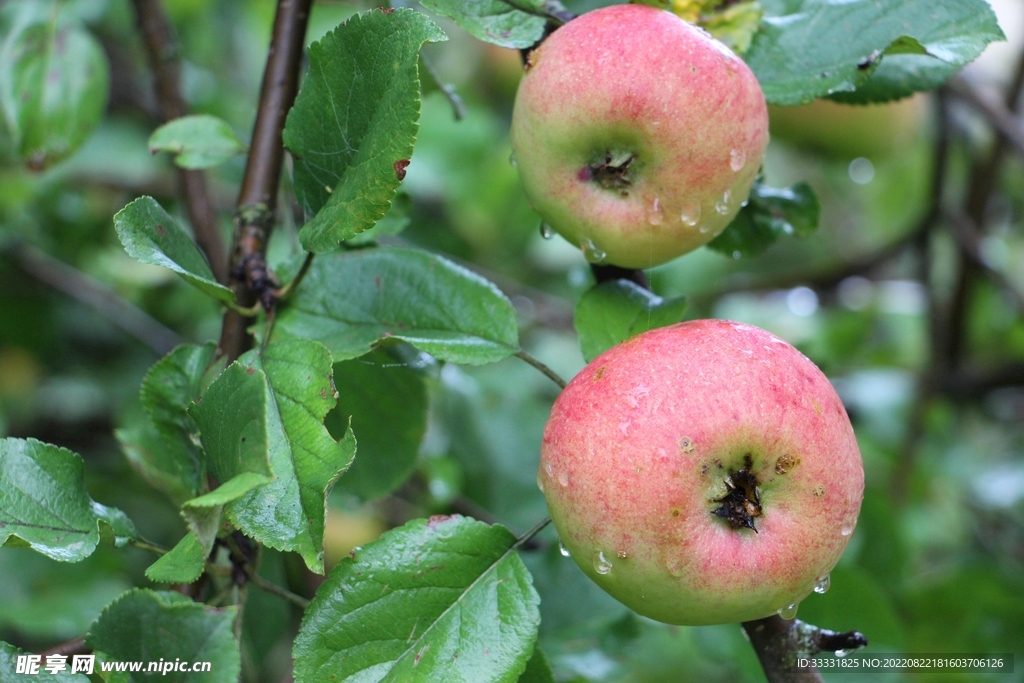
x=386, y=402
x=288, y=513
x=813, y=48
x=54, y=82
x=538, y=670
x=445, y=599
x=144, y=625
x=736, y=25
x=770, y=214
x=165, y=451
x=150, y=235
x=233, y=423
x=199, y=141
x=351, y=301
x=354, y=122
x=43, y=502
x=492, y=21
x=183, y=564
x=395, y=221
x=614, y=311
x=9, y=666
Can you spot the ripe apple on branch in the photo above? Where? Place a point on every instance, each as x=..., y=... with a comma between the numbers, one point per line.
x=637, y=135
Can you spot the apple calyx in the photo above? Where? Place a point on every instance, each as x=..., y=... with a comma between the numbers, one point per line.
x=612, y=171
x=742, y=502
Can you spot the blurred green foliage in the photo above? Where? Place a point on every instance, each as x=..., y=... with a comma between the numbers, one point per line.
x=937, y=561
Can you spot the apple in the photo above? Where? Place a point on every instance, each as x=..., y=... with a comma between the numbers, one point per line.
x=636, y=135
x=702, y=473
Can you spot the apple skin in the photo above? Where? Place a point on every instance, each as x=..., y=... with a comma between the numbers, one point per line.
x=637, y=450
x=636, y=82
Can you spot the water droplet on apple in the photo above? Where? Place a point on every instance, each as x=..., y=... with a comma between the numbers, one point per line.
x=512, y=159
x=655, y=216
x=562, y=549
x=822, y=586
x=691, y=214
x=546, y=231
x=846, y=530
x=723, y=205
x=592, y=252
x=563, y=478
x=540, y=483
x=789, y=612
x=602, y=565
x=737, y=158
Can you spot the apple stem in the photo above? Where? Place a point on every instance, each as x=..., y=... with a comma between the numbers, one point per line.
x=779, y=643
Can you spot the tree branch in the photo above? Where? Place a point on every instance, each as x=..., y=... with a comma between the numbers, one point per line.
x=249, y=277
x=108, y=303
x=162, y=48
x=778, y=643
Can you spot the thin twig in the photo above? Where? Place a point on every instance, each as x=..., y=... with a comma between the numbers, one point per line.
x=75, y=646
x=457, y=103
x=271, y=587
x=778, y=644
x=283, y=293
x=108, y=303
x=969, y=242
x=551, y=374
x=528, y=536
x=163, y=50
x=147, y=545
x=995, y=111
x=257, y=199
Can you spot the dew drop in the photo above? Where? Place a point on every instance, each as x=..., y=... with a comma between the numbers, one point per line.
x=512, y=159
x=822, y=586
x=789, y=612
x=601, y=563
x=563, y=478
x=546, y=231
x=562, y=549
x=592, y=252
x=737, y=158
x=691, y=214
x=723, y=205
x=655, y=216
x=846, y=530
x=540, y=483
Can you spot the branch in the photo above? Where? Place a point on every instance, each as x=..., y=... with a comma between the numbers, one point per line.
x=162, y=48
x=273, y=588
x=108, y=303
x=778, y=643
x=1008, y=125
x=75, y=646
x=257, y=200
